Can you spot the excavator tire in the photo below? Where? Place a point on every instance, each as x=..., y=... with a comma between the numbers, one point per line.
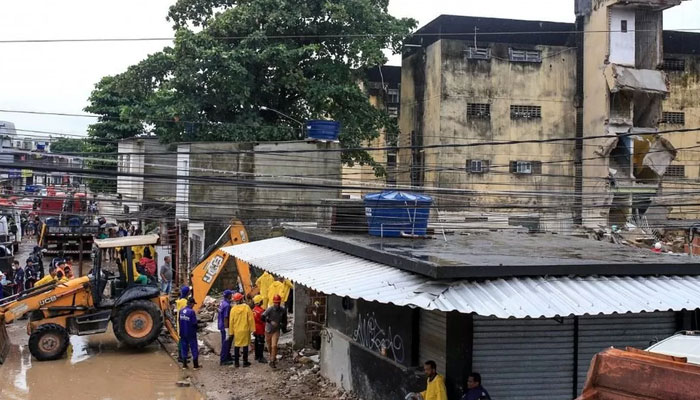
x=48, y=342
x=138, y=323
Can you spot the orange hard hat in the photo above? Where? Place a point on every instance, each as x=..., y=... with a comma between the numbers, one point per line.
x=277, y=299
x=237, y=297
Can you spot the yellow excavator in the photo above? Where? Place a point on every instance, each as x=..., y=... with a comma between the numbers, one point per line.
x=138, y=312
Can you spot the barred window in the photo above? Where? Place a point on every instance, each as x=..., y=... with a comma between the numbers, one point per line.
x=525, y=112
x=478, y=166
x=531, y=56
x=673, y=64
x=477, y=53
x=478, y=111
x=673, y=118
x=675, y=171
x=393, y=112
x=526, y=167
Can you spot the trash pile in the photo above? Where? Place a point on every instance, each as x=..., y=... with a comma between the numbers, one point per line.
x=306, y=371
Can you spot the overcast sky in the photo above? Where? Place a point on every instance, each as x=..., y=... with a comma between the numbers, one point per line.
x=59, y=77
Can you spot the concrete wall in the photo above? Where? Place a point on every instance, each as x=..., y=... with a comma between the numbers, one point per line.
x=235, y=183
x=684, y=97
x=145, y=156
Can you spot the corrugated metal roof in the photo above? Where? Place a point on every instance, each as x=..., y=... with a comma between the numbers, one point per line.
x=337, y=273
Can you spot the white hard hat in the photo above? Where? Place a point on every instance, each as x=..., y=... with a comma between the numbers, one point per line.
x=657, y=246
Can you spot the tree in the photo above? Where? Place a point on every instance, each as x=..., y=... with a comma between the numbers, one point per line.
x=69, y=146
x=304, y=58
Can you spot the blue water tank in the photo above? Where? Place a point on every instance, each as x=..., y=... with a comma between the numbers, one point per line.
x=394, y=213
x=323, y=130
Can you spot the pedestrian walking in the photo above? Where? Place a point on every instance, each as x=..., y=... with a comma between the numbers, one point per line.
x=474, y=389
x=188, y=334
x=242, y=325
x=435, y=387
x=259, y=333
x=275, y=318
x=226, y=336
x=166, y=275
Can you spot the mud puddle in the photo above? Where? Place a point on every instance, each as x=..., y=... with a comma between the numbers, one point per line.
x=95, y=368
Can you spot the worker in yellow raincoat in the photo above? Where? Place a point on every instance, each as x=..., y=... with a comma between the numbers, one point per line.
x=263, y=283
x=281, y=288
x=241, y=326
x=435, y=387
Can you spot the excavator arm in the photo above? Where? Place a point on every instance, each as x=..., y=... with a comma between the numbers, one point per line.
x=215, y=260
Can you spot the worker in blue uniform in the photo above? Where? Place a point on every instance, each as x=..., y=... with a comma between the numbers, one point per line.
x=188, y=334
x=224, y=313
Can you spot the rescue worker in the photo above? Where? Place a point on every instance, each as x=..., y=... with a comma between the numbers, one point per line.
x=275, y=318
x=281, y=288
x=435, y=387
x=474, y=389
x=188, y=334
x=264, y=283
x=68, y=271
x=51, y=277
x=259, y=333
x=224, y=314
x=17, y=277
x=242, y=324
x=179, y=305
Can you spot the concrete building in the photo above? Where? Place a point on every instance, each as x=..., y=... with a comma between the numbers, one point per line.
x=146, y=174
x=526, y=311
x=554, y=82
x=383, y=86
x=257, y=183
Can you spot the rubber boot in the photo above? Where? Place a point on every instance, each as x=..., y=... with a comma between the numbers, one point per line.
x=196, y=364
x=184, y=364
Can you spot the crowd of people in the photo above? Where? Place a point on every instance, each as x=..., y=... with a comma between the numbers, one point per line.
x=241, y=324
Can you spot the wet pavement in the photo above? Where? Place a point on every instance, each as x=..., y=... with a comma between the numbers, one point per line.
x=94, y=368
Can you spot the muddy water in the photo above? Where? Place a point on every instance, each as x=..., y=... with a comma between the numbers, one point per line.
x=95, y=368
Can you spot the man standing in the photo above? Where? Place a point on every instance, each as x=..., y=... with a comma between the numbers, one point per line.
x=188, y=334
x=263, y=283
x=275, y=318
x=166, y=275
x=18, y=277
x=474, y=389
x=180, y=304
x=242, y=324
x=259, y=334
x=435, y=388
x=51, y=277
x=30, y=276
x=226, y=339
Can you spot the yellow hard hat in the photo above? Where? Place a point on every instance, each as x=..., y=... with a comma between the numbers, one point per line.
x=257, y=299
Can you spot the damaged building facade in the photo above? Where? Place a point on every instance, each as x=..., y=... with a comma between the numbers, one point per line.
x=607, y=79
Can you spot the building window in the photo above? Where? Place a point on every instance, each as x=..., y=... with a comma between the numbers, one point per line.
x=673, y=64
x=623, y=26
x=526, y=167
x=393, y=112
x=675, y=171
x=375, y=85
x=392, y=96
x=478, y=111
x=476, y=53
x=673, y=118
x=531, y=56
x=525, y=112
x=478, y=166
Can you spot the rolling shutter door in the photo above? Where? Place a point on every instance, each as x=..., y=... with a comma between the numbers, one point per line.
x=525, y=359
x=433, y=338
x=636, y=330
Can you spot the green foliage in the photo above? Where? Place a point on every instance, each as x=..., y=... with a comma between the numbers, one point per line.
x=304, y=58
x=68, y=146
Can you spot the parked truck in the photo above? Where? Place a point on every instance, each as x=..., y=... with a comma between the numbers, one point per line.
x=66, y=228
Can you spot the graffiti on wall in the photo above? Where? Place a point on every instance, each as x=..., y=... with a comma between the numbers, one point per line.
x=372, y=335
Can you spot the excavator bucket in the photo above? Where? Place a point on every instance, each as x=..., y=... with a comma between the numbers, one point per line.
x=4, y=340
